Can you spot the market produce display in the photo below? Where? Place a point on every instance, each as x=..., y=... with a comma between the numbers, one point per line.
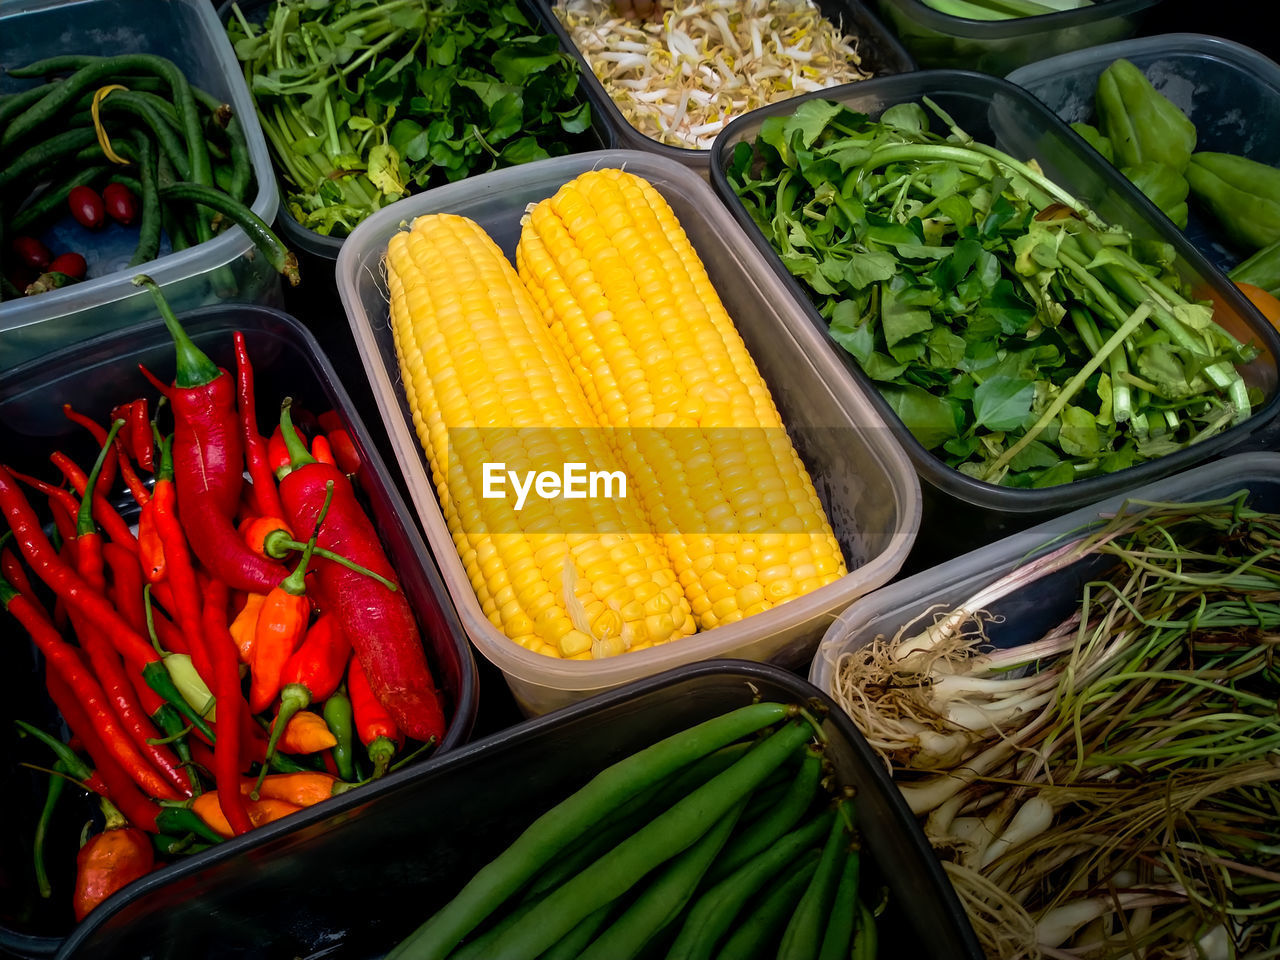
x=610, y=348
x=682, y=79
x=1018, y=336
x=728, y=839
x=363, y=103
x=216, y=672
x=166, y=155
x=1106, y=787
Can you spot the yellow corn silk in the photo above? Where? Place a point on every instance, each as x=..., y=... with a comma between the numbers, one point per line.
x=626, y=297
x=486, y=383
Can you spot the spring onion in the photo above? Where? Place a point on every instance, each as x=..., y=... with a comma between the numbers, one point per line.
x=682, y=80
x=1112, y=789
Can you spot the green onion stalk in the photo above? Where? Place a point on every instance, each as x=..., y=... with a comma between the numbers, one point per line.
x=1112, y=788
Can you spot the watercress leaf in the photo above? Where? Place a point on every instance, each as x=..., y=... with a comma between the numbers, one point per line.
x=846, y=154
x=1035, y=455
x=900, y=320
x=505, y=116
x=957, y=209
x=946, y=350
x=303, y=146
x=906, y=116
x=360, y=123
x=880, y=367
x=384, y=170
x=962, y=448
x=402, y=132
x=1002, y=403
x=577, y=119
x=865, y=268
x=773, y=133
x=848, y=329
x=518, y=61
x=1197, y=316
x=1000, y=213
x=442, y=48
x=522, y=150
x=808, y=121
x=1055, y=476
x=931, y=420
x=1006, y=307
x=1079, y=435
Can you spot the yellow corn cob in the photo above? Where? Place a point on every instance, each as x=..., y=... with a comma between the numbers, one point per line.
x=627, y=298
x=474, y=353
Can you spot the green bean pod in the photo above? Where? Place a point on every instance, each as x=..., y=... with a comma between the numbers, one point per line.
x=712, y=915
x=663, y=838
x=803, y=937
x=865, y=938
x=39, y=158
x=152, y=217
x=843, y=916
x=569, y=820
x=53, y=199
x=23, y=99
x=571, y=945
x=664, y=898
x=758, y=934
x=282, y=259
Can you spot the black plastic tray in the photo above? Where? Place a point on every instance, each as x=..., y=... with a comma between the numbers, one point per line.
x=94, y=376
x=361, y=872
x=960, y=512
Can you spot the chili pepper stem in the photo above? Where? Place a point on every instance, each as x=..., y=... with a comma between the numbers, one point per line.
x=381, y=751
x=157, y=676
x=84, y=520
x=295, y=583
x=293, y=698
x=194, y=368
x=299, y=455
x=277, y=544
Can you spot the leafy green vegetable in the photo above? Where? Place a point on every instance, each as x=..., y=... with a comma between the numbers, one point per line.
x=364, y=101
x=1016, y=335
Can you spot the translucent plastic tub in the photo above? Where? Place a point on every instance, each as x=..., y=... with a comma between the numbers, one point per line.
x=1230, y=92
x=950, y=583
x=224, y=269
x=938, y=39
x=94, y=376
x=880, y=51
x=961, y=512
x=867, y=486
x=353, y=876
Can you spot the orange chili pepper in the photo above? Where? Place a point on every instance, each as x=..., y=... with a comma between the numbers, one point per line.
x=150, y=546
x=306, y=732
x=374, y=724
x=110, y=860
x=245, y=626
x=208, y=808
x=254, y=532
x=321, y=450
x=302, y=789
x=282, y=623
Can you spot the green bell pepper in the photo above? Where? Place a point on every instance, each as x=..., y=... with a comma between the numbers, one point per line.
x=1093, y=136
x=1141, y=123
x=1242, y=194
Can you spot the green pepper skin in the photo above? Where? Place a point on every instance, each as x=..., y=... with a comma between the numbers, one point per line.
x=1141, y=123
x=1242, y=194
x=1262, y=269
x=1164, y=186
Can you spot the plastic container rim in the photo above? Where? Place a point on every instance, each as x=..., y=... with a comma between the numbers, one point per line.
x=573, y=675
x=945, y=23
x=628, y=136
x=171, y=267
x=968, y=489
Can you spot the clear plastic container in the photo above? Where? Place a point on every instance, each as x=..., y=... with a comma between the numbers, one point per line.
x=95, y=376
x=950, y=583
x=961, y=512
x=880, y=50
x=1230, y=92
x=938, y=39
x=870, y=493
x=376, y=863
x=224, y=269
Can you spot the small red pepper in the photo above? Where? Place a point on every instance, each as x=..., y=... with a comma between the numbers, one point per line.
x=110, y=861
x=208, y=461
x=277, y=452
x=121, y=204
x=69, y=264
x=261, y=474
x=230, y=705
x=87, y=206
x=374, y=725
x=321, y=450
x=99, y=433
x=106, y=515
x=344, y=451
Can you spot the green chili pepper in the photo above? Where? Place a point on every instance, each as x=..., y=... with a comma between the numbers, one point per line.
x=338, y=715
x=1141, y=123
x=1242, y=194
x=56, y=784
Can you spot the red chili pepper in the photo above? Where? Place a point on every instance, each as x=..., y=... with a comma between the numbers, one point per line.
x=208, y=462
x=150, y=547
x=126, y=444
x=255, y=530
x=106, y=515
x=140, y=432
x=108, y=477
x=282, y=623
x=66, y=661
x=374, y=725
x=312, y=673
x=226, y=688
x=11, y=570
x=185, y=605
x=110, y=861
x=71, y=589
x=62, y=504
x=344, y=451
x=277, y=452
x=321, y=450
x=261, y=473
x=378, y=620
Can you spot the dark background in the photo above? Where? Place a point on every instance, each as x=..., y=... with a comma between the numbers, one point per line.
x=1245, y=21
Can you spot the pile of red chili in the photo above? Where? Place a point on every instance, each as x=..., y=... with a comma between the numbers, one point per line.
x=218, y=668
